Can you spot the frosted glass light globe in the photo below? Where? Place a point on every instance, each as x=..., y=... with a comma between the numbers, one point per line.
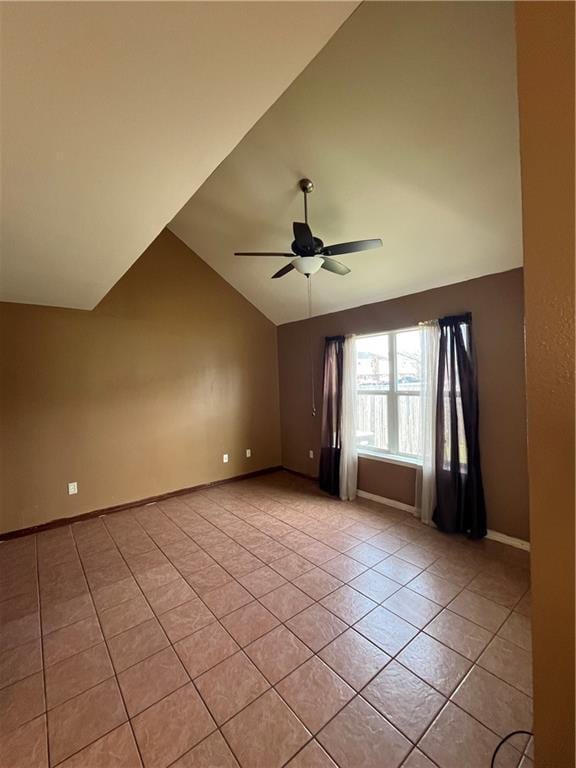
x=308, y=265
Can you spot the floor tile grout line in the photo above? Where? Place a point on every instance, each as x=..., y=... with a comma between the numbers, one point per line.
x=472, y=717
x=172, y=645
x=41, y=641
x=219, y=726
x=335, y=715
x=316, y=601
x=387, y=554
x=167, y=695
x=85, y=690
x=273, y=686
x=407, y=585
x=36, y=594
x=145, y=598
x=338, y=530
x=357, y=693
x=241, y=520
x=256, y=528
x=412, y=751
x=116, y=675
x=270, y=686
x=334, y=614
x=447, y=700
x=235, y=578
x=302, y=748
x=393, y=657
x=218, y=731
x=110, y=657
x=191, y=680
x=464, y=543
x=116, y=727
x=313, y=565
x=420, y=630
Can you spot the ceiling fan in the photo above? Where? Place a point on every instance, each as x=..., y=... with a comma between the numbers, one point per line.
x=311, y=253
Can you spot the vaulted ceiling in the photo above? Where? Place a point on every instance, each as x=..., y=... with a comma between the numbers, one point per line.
x=113, y=114
x=121, y=118
x=407, y=123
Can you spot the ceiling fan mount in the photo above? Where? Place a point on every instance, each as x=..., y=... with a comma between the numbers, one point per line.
x=310, y=251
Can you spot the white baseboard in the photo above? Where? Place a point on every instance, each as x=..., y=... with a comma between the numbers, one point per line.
x=512, y=541
x=387, y=502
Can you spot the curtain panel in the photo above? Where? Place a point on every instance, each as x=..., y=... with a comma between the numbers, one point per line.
x=426, y=501
x=330, y=445
x=460, y=506
x=348, y=450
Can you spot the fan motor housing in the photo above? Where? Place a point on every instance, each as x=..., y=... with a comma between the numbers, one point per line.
x=299, y=251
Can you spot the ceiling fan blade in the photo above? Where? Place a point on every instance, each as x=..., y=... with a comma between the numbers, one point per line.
x=283, y=271
x=335, y=266
x=356, y=245
x=303, y=235
x=290, y=255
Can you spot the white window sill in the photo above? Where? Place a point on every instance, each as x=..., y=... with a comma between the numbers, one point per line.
x=390, y=458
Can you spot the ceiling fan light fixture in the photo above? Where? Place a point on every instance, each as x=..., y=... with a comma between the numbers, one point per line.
x=308, y=265
x=310, y=251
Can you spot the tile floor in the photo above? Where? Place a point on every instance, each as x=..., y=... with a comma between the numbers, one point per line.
x=262, y=624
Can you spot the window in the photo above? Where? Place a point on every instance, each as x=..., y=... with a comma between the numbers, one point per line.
x=389, y=374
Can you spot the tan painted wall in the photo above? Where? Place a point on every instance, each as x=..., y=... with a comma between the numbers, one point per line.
x=140, y=396
x=496, y=303
x=545, y=40
x=392, y=481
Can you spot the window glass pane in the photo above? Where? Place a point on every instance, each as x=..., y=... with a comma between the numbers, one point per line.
x=409, y=424
x=372, y=421
x=409, y=361
x=372, y=363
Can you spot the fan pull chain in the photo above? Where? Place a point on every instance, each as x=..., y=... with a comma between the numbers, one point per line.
x=310, y=344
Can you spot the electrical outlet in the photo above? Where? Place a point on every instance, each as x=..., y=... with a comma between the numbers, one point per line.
x=310, y=454
x=225, y=458
x=248, y=453
x=72, y=489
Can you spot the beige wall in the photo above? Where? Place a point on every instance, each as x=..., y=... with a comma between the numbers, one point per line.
x=545, y=39
x=140, y=396
x=392, y=481
x=496, y=303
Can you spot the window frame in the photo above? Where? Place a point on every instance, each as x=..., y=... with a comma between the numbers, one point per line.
x=393, y=392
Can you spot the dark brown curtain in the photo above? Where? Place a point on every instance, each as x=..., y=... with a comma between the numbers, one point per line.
x=460, y=506
x=331, y=415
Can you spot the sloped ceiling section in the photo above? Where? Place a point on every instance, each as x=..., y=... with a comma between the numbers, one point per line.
x=113, y=114
x=407, y=123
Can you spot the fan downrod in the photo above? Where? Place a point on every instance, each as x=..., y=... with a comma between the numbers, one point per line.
x=306, y=186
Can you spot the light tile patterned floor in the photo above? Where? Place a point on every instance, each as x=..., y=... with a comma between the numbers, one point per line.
x=262, y=624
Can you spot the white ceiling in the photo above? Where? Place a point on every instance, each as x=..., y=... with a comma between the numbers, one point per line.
x=113, y=114
x=407, y=123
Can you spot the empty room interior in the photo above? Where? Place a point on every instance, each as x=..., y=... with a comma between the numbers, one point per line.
x=287, y=385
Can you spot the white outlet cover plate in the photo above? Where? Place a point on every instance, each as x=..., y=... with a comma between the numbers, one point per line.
x=248, y=453
x=72, y=489
x=225, y=458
